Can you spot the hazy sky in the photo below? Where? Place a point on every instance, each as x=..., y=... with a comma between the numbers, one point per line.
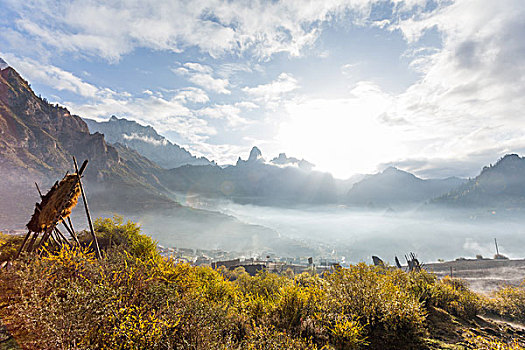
x=434, y=87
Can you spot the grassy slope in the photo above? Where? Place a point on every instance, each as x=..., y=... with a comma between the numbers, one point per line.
x=135, y=299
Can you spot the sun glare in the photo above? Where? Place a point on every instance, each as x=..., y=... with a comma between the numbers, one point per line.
x=341, y=136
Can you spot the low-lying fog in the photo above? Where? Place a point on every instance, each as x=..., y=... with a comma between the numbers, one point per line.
x=340, y=233
x=356, y=235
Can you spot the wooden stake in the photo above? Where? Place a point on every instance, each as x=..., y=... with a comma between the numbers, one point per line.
x=70, y=223
x=97, y=248
x=71, y=232
x=32, y=242
x=61, y=235
x=38, y=189
x=44, y=238
x=23, y=244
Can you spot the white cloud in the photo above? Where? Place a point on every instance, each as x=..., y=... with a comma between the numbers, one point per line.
x=471, y=96
x=271, y=93
x=227, y=112
x=201, y=75
x=112, y=29
x=197, y=67
x=221, y=153
x=52, y=76
x=164, y=114
x=247, y=105
x=346, y=69
x=144, y=138
x=192, y=94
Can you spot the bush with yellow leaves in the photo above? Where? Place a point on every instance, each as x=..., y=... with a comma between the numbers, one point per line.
x=133, y=298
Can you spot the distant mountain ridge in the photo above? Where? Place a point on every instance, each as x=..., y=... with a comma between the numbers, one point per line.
x=255, y=181
x=501, y=185
x=397, y=187
x=37, y=141
x=146, y=141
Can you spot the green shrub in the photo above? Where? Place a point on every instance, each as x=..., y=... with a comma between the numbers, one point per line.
x=378, y=299
x=508, y=302
x=9, y=245
x=113, y=232
x=452, y=295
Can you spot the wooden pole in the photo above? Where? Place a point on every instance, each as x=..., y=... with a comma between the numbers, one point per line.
x=44, y=238
x=23, y=244
x=28, y=232
x=32, y=242
x=71, y=232
x=38, y=189
x=496, y=243
x=61, y=235
x=70, y=223
x=97, y=248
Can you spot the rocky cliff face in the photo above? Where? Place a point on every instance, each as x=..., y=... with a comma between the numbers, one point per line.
x=40, y=137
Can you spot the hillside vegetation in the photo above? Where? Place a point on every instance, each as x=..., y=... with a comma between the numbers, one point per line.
x=134, y=298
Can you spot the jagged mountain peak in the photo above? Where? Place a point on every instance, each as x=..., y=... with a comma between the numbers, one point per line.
x=255, y=154
x=255, y=157
x=283, y=160
x=3, y=64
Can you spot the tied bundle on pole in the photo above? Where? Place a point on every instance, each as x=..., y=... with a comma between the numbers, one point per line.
x=57, y=203
x=55, y=207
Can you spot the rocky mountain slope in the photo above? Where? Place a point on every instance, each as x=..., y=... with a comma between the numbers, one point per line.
x=146, y=141
x=501, y=185
x=37, y=143
x=394, y=187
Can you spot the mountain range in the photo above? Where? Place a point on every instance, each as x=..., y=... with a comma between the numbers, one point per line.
x=133, y=169
x=146, y=141
x=501, y=185
x=395, y=187
x=255, y=181
x=37, y=143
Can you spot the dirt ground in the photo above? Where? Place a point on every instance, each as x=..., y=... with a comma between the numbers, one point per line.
x=482, y=275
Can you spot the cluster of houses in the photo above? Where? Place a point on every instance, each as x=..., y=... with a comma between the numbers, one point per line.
x=230, y=260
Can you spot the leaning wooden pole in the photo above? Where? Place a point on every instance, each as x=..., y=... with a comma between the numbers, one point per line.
x=71, y=232
x=61, y=235
x=97, y=248
x=23, y=244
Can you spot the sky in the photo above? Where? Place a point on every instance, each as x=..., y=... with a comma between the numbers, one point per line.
x=435, y=87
